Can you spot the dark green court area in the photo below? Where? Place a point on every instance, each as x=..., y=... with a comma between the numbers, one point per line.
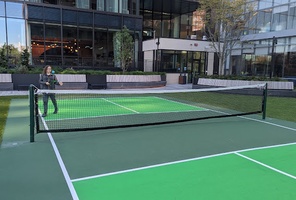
x=228, y=158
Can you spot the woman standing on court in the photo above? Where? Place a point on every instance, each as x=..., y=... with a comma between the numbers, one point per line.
x=48, y=82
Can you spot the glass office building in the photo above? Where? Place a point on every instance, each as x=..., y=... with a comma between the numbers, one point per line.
x=268, y=45
x=177, y=31
x=72, y=33
x=79, y=33
x=168, y=35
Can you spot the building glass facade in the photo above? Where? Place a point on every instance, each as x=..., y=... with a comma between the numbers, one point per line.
x=13, y=30
x=80, y=37
x=253, y=56
x=173, y=19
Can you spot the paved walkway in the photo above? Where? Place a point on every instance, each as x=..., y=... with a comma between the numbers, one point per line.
x=167, y=87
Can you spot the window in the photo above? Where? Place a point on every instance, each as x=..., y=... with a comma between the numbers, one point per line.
x=70, y=50
x=124, y=6
x=53, y=47
x=85, y=46
x=100, y=5
x=16, y=33
x=100, y=48
x=2, y=10
x=82, y=4
x=280, y=17
x=292, y=17
x=112, y=6
x=14, y=10
x=3, y=32
x=37, y=43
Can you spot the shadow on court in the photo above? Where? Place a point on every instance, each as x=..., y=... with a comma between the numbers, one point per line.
x=32, y=170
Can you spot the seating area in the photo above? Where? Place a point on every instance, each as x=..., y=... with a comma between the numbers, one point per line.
x=82, y=81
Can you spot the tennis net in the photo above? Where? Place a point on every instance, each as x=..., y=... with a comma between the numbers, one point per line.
x=105, y=109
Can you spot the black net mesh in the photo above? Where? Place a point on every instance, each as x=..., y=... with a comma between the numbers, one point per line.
x=88, y=110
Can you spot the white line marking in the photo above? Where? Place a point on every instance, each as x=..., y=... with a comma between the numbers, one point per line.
x=61, y=163
x=180, y=103
x=267, y=166
x=180, y=161
x=120, y=105
x=163, y=112
x=128, y=114
x=269, y=123
x=257, y=120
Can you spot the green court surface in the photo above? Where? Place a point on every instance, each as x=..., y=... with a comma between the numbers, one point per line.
x=99, y=107
x=237, y=158
x=221, y=177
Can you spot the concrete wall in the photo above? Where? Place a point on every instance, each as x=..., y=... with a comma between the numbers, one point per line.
x=177, y=44
x=172, y=78
x=148, y=61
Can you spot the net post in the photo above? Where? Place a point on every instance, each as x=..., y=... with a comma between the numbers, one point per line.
x=36, y=113
x=264, y=101
x=32, y=110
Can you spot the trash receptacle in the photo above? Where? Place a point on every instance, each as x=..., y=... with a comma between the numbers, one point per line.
x=182, y=79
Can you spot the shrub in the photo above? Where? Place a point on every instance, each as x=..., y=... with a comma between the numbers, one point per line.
x=69, y=71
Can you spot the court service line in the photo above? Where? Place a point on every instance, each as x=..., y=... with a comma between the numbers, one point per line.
x=120, y=105
x=204, y=109
x=179, y=161
x=269, y=123
x=267, y=166
x=61, y=162
x=261, y=121
x=128, y=114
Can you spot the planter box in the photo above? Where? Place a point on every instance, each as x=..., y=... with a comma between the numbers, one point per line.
x=275, y=85
x=72, y=81
x=6, y=82
x=96, y=81
x=134, y=81
x=132, y=78
x=23, y=81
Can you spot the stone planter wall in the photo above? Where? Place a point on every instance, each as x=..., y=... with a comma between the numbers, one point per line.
x=134, y=81
x=23, y=81
x=82, y=81
x=72, y=81
x=6, y=82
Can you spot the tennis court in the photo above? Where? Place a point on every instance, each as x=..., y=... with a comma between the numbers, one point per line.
x=241, y=157
x=92, y=107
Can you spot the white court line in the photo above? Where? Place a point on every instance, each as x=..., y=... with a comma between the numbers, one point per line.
x=267, y=166
x=61, y=163
x=257, y=120
x=269, y=123
x=181, y=103
x=120, y=105
x=180, y=161
x=163, y=112
x=129, y=114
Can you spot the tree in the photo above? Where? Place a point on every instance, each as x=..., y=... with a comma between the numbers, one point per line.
x=3, y=58
x=224, y=22
x=25, y=55
x=124, y=48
